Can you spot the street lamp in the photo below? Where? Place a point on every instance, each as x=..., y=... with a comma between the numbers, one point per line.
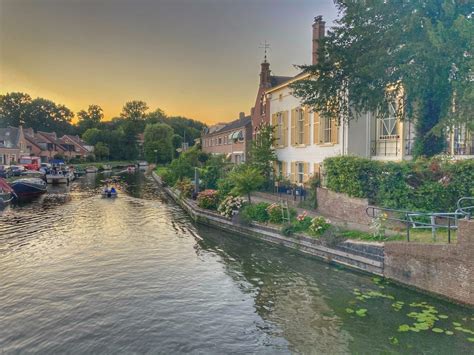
x=156, y=156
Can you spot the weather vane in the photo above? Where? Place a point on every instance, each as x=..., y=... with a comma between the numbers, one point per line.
x=266, y=46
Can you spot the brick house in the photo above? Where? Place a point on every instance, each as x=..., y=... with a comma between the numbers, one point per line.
x=231, y=139
x=12, y=145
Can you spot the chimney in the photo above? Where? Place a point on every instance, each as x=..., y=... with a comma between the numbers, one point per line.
x=241, y=116
x=318, y=33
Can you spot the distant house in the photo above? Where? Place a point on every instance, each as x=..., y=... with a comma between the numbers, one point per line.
x=75, y=147
x=12, y=145
x=231, y=139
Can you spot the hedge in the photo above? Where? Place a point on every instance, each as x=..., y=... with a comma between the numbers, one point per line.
x=433, y=185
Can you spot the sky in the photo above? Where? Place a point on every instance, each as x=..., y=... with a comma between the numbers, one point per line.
x=194, y=58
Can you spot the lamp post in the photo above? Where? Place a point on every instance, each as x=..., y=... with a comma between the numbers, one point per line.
x=156, y=156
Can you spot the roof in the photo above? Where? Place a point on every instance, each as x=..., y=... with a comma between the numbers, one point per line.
x=9, y=137
x=278, y=80
x=289, y=81
x=238, y=123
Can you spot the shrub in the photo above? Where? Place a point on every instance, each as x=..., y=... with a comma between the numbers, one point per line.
x=230, y=206
x=302, y=223
x=319, y=225
x=186, y=187
x=225, y=186
x=275, y=214
x=257, y=212
x=168, y=178
x=208, y=199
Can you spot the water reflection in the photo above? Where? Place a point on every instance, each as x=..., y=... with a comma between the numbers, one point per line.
x=135, y=275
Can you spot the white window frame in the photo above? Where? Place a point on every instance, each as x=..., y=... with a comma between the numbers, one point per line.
x=279, y=140
x=326, y=129
x=300, y=172
x=299, y=126
x=388, y=126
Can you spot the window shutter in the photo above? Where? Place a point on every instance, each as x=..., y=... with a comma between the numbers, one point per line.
x=293, y=172
x=307, y=125
x=316, y=168
x=275, y=130
x=276, y=173
x=305, y=172
x=293, y=127
x=316, y=124
x=284, y=130
x=334, y=131
x=284, y=170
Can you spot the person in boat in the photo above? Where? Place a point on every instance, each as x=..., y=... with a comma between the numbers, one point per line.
x=106, y=190
x=113, y=191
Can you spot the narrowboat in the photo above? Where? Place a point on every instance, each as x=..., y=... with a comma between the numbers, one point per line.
x=28, y=187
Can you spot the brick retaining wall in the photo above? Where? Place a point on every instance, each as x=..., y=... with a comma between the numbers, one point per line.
x=446, y=270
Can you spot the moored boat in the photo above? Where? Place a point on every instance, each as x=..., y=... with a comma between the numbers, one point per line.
x=6, y=193
x=28, y=187
x=107, y=167
x=58, y=177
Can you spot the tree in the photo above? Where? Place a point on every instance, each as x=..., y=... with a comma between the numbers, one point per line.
x=45, y=115
x=101, y=150
x=246, y=179
x=92, y=136
x=158, y=137
x=134, y=110
x=417, y=54
x=156, y=116
x=90, y=118
x=262, y=154
x=12, y=108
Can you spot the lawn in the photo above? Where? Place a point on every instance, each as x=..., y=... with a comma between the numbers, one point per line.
x=416, y=235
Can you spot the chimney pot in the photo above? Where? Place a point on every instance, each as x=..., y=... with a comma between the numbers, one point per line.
x=318, y=33
x=241, y=115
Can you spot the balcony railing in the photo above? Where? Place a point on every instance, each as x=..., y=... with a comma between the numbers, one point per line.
x=386, y=147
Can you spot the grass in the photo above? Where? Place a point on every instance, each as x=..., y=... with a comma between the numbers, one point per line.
x=160, y=170
x=416, y=235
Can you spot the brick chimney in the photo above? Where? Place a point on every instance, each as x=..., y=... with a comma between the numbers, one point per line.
x=318, y=33
x=241, y=116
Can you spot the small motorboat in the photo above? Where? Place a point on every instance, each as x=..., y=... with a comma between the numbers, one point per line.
x=7, y=194
x=91, y=170
x=107, y=167
x=29, y=187
x=109, y=193
x=131, y=168
x=58, y=177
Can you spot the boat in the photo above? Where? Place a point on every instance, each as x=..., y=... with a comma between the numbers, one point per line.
x=91, y=170
x=142, y=165
x=107, y=167
x=131, y=168
x=109, y=194
x=28, y=187
x=57, y=177
x=7, y=194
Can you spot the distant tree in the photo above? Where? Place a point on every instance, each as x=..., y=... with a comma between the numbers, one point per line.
x=416, y=54
x=158, y=137
x=262, y=154
x=246, y=180
x=12, y=108
x=134, y=110
x=90, y=118
x=101, y=151
x=45, y=115
x=216, y=168
x=157, y=116
x=92, y=136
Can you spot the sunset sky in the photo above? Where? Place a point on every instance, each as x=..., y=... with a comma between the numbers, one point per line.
x=196, y=58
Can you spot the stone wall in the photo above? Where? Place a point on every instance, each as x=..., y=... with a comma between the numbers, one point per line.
x=341, y=206
x=443, y=269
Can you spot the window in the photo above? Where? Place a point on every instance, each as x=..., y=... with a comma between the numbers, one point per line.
x=299, y=126
x=388, y=125
x=326, y=130
x=300, y=172
x=220, y=141
x=225, y=139
x=280, y=97
x=279, y=171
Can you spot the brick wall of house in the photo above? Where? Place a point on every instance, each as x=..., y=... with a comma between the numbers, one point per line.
x=446, y=270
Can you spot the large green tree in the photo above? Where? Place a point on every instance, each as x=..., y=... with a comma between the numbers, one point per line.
x=158, y=144
x=262, y=153
x=45, y=115
x=416, y=53
x=134, y=110
x=12, y=108
x=90, y=118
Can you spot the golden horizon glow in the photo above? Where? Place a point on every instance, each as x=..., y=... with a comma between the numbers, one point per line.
x=195, y=59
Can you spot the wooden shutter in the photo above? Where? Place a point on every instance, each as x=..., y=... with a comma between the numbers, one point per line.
x=275, y=169
x=293, y=127
x=334, y=131
x=293, y=172
x=307, y=125
x=284, y=171
x=305, y=172
x=275, y=130
x=284, y=140
x=316, y=125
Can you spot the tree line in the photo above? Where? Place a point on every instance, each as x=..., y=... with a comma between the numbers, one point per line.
x=115, y=139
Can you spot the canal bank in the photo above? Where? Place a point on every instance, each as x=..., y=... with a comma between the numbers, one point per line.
x=446, y=271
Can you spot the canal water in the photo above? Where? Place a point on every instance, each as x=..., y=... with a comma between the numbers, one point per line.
x=133, y=275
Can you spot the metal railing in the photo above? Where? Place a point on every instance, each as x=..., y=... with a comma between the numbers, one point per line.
x=427, y=220
x=386, y=147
